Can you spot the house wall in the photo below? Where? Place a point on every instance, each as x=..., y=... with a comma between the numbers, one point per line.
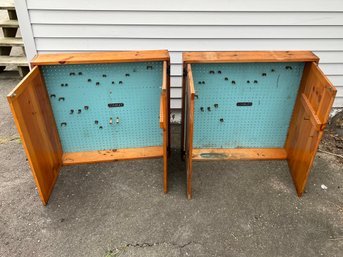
x=193, y=25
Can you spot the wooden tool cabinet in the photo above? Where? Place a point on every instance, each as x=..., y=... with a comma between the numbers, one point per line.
x=254, y=106
x=79, y=108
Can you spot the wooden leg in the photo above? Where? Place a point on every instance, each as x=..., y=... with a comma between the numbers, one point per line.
x=165, y=173
x=183, y=110
x=189, y=177
x=168, y=108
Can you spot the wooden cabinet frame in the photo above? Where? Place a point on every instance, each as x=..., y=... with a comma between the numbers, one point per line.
x=33, y=115
x=310, y=114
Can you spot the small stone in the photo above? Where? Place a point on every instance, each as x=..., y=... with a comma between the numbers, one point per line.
x=324, y=187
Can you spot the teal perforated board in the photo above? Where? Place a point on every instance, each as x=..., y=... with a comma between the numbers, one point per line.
x=244, y=105
x=106, y=106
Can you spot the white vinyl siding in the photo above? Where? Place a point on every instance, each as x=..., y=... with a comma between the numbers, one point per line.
x=105, y=25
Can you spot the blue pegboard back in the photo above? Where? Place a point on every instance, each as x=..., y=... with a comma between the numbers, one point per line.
x=80, y=94
x=244, y=105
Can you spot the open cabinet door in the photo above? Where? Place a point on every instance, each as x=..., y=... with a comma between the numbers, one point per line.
x=310, y=116
x=34, y=119
x=189, y=124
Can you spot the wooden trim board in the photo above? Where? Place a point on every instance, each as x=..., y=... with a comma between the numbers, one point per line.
x=212, y=154
x=100, y=57
x=256, y=56
x=111, y=155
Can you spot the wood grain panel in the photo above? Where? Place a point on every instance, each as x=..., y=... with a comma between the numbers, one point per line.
x=34, y=119
x=310, y=115
x=100, y=57
x=111, y=155
x=189, y=115
x=258, y=56
x=221, y=154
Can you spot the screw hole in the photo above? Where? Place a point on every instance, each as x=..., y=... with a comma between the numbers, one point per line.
x=248, y=81
x=104, y=75
x=61, y=99
x=221, y=120
x=71, y=111
x=202, y=109
x=97, y=83
x=215, y=105
x=96, y=122
x=233, y=82
x=86, y=107
x=80, y=73
x=226, y=78
x=209, y=109
x=120, y=82
x=112, y=82
x=255, y=81
x=211, y=71
x=53, y=96
x=127, y=75
x=63, y=124
x=264, y=74
x=72, y=74
x=78, y=111
x=89, y=80
x=219, y=72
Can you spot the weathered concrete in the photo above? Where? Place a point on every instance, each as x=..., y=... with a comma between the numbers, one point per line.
x=119, y=209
